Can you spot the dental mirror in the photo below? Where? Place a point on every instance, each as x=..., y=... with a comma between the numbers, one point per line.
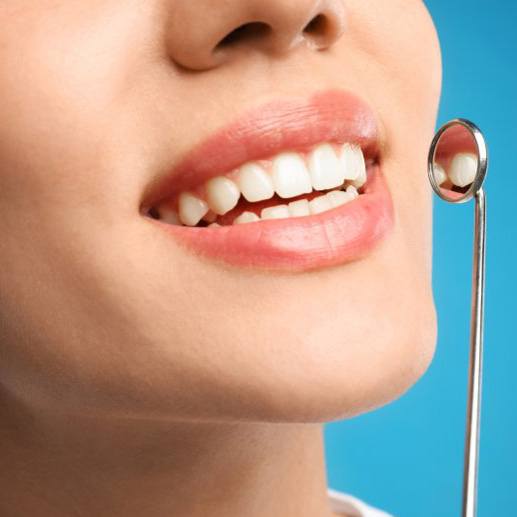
x=457, y=161
x=457, y=165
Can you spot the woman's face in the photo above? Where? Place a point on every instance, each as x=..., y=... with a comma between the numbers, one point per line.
x=105, y=310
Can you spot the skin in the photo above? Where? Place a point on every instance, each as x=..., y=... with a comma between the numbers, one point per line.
x=136, y=378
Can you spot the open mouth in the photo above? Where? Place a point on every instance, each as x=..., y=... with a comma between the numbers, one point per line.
x=293, y=185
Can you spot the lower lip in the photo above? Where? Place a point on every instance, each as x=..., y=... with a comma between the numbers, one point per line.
x=337, y=236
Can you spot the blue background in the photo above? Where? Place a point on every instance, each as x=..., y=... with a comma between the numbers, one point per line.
x=407, y=458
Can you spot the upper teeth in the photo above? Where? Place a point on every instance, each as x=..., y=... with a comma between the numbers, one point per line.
x=222, y=194
x=463, y=168
x=461, y=171
x=255, y=183
x=325, y=169
x=289, y=174
x=191, y=209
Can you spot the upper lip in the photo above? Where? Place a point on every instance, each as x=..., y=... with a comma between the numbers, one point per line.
x=295, y=124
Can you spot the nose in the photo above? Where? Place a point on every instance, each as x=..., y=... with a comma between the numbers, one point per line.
x=203, y=34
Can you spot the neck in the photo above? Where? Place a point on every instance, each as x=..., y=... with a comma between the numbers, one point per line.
x=60, y=465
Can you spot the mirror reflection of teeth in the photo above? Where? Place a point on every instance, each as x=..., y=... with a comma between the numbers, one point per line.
x=439, y=174
x=287, y=175
x=463, y=168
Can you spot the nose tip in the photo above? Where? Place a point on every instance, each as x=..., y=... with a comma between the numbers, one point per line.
x=274, y=27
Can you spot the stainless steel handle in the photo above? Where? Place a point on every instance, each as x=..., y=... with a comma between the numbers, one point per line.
x=471, y=460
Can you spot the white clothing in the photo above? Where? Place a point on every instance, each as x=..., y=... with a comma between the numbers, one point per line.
x=349, y=505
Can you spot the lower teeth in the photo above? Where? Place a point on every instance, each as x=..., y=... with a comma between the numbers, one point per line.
x=298, y=208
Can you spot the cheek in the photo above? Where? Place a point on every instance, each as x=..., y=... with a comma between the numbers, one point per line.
x=401, y=40
x=63, y=81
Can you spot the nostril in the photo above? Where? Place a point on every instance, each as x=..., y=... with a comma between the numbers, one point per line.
x=320, y=30
x=245, y=33
x=317, y=26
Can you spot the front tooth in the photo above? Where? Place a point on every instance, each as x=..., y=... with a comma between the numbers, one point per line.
x=361, y=179
x=352, y=161
x=299, y=208
x=319, y=204
x=275, y=212
x=246, y=217
x=191, y=209
x=214, y=225
x=325, y=169
x=255, y=183
x=439, y=174
x=338, y=197
x=290, y=175
x=222, y=194
x=361, y=168
x=348, y=160
x=463, y=168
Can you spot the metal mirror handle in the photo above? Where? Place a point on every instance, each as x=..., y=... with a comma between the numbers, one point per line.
x=463, y=139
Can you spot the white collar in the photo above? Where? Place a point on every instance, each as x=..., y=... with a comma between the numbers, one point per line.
x=340, y=502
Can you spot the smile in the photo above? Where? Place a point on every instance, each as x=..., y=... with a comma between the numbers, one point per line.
x=294, y=185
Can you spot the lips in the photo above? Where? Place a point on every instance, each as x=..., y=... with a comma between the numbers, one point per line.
x=336, y=236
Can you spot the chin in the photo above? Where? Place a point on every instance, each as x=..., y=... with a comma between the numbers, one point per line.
x=332, y=376
x=363, y=337
x=325, y=375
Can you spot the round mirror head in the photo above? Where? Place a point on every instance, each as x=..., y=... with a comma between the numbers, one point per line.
x=457, y=161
